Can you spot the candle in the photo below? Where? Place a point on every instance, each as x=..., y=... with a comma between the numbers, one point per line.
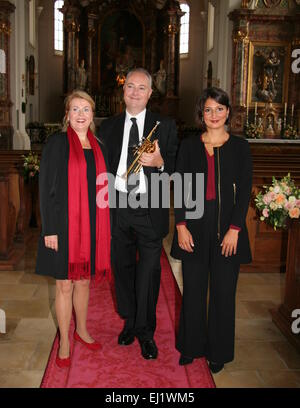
x=285, y=108
x=255, y=109
x=292, y=110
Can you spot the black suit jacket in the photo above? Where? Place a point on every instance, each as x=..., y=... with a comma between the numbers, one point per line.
x=111, y=134
x=235, y=181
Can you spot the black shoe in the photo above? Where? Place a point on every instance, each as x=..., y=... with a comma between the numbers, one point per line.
x=215, y=368
x=126, y=337
x=184, y=360
x=149, y=349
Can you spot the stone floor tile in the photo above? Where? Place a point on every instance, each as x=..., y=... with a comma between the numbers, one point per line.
x=36, y=279
x=16, y=355
x=257, y=329
x=26, y=308
x=17, y=291
x=288, y=353
x=40, y=357
x=11, y=325
x=259, y=309
x=10, y=277
x=280, y=378
x=238, y=379
x=21, y=378
x=30, y=329
x=254, y=355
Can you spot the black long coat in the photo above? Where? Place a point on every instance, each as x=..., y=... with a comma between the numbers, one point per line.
x=53, y=188
x=233, y=181
x=111, y=133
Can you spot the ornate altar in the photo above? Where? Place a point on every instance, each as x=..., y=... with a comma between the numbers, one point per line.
x=105, y=39
x=6, y=130
x=265, y=90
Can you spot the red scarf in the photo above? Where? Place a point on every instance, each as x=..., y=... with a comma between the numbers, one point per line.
x=79, y=265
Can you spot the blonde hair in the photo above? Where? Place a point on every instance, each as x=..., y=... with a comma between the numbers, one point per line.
x=81, y=95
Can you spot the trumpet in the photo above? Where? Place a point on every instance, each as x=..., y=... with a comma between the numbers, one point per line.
x=146, y=147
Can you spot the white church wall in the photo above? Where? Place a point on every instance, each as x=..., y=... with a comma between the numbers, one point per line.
x=191, y=67
x=50, y=68
x=221, y=53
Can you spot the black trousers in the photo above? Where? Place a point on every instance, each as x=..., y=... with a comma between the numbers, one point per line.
x=137, y=280
x=201, y=333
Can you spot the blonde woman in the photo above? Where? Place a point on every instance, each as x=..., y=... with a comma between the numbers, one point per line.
x=75, y=241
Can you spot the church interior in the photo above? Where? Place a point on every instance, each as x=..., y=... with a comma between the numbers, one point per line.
x=249, y=48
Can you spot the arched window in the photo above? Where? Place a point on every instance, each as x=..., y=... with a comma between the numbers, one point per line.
x=184, y=29
x=58, y=27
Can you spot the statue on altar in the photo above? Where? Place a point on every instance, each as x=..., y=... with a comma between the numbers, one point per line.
x=267, y=79
x=81, y=76
x=124, y=63
x=160, y=78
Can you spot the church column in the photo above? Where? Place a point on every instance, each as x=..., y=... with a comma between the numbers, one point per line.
x=91, y=35
x=294, y=83
x=172, y=31
x=72, y=27
x=152, y=35
x=6, y=131
x=240, y=60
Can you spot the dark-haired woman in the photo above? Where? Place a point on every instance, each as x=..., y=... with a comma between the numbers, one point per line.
x=75, y=242
x=212, y=247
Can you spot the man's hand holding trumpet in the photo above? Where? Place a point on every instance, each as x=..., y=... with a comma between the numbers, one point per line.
x=152, y=159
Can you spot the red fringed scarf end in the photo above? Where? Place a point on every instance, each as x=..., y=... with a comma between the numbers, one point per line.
x=78, y=271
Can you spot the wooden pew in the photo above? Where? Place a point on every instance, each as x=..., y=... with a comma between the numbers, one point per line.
x=269, y=247
x=15, y=209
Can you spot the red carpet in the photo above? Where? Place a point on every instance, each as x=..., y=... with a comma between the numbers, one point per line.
x=123, y=366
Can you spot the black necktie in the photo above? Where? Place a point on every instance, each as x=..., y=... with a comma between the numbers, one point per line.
x=132, y=143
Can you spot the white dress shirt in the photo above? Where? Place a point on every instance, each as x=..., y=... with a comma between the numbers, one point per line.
x=121, y=182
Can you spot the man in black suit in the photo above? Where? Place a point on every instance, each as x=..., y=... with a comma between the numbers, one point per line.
x=139, y=229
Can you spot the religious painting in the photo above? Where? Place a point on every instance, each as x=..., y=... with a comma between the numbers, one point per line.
x=268, y=73
x=121, y=48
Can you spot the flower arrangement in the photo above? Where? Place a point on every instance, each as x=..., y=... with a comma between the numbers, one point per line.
x=289, y=132
x=254, y=131
x=279, y=202
x=31, y=166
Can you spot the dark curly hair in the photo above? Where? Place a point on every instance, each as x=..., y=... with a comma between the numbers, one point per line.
x=217, y=95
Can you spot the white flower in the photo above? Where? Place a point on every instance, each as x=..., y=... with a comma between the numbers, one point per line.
x=273, y=206
x=277, y=190
x=292, y=199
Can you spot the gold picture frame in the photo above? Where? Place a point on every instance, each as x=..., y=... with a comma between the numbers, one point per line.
x=259, y=55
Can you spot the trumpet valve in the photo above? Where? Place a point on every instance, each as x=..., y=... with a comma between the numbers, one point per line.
x=151, y=148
